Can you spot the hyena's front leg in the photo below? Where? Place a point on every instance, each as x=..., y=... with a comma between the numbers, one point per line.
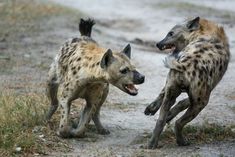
x=155, y=105
x=197, y=103
x=96, y=116
x=84, y=120
x=171, y=94
x=97, y=98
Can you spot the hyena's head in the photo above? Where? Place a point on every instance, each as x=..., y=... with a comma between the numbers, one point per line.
x=180, y=35
x=121, y=73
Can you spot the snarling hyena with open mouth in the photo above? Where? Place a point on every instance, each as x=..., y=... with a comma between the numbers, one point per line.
x=198, y=62
x=83, y=69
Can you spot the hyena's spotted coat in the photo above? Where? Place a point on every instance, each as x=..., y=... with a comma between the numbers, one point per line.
x=198, y=62
x=83, y=69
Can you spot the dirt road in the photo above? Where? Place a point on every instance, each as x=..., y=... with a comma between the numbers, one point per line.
x=142, y=23
x=26, y=55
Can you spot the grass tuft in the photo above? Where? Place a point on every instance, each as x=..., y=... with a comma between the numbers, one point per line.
x=202, y=134
x=18, y=116
x=23, y=126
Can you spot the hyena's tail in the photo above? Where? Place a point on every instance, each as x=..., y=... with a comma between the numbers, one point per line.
x=85, y=27
x=52, y=90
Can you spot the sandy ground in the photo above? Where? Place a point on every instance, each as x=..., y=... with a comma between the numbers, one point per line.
x=141, y=23
x=122, y=22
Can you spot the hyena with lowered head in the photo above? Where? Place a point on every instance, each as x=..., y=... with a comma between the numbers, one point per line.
x=198, y=62
x=83, y=69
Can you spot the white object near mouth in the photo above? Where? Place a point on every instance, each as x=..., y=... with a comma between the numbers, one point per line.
x=131, y=88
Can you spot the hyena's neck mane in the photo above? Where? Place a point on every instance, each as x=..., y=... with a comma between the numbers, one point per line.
x=210, y=30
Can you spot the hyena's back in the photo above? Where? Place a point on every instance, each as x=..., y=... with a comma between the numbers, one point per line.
x=78, y=53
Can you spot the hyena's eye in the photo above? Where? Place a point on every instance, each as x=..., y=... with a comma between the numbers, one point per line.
x=170, y=33
x=125, y=70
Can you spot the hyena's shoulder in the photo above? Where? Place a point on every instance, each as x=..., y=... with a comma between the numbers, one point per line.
x=203, y=49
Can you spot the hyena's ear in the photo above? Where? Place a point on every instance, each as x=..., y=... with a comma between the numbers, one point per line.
x=193, y=24
x=127, y=51
x=107, y=59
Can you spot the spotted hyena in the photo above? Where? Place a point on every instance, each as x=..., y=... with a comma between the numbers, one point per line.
x=199, y=60
x=83, y=69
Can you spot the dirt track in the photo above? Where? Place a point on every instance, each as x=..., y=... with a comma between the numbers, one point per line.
x=141, y=23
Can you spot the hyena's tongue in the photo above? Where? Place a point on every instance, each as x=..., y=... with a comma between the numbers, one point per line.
x=131, y=88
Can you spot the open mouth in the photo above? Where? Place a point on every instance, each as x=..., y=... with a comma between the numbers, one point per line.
x=168, y=47
x=131, y=89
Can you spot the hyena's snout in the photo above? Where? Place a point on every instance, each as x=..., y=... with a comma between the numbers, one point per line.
x=160, y=45
x=135, y=79
x=165, y=44
x=138, y=77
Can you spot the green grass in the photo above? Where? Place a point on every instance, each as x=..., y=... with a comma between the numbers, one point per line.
x=22, y=121
x=19, y=114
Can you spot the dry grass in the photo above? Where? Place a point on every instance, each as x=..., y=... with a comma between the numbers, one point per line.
x=19, y=114
x=206, y=133
x=22, y=125
x=22, y=115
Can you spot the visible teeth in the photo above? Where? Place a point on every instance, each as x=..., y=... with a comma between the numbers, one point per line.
x=137, y=87
x=131, y=88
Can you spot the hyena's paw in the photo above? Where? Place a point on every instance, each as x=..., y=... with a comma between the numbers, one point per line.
x=151, y=109
x=149, y=146
x=183, y=142
x=103, y=131
x=65, y=132
x=147, y=111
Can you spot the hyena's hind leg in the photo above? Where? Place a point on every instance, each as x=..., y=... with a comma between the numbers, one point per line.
x=197, y=103
x=179, y=107
x=52, y=89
